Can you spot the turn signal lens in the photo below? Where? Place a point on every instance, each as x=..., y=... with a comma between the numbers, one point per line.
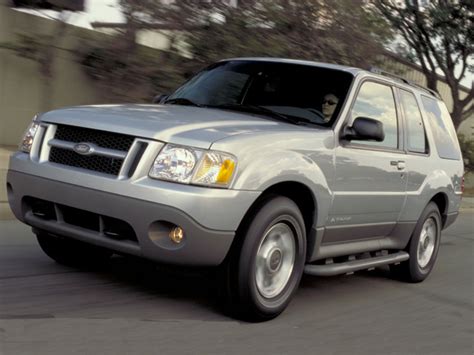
x=226, y=171
x=215, y=169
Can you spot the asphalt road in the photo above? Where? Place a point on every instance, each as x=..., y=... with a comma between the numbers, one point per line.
x=134, y=308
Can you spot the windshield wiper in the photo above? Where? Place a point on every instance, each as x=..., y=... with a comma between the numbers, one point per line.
x=260, y=110
x=182, y=101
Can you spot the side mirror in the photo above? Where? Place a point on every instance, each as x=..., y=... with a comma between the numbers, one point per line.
x=159, y=99
x=365, y=129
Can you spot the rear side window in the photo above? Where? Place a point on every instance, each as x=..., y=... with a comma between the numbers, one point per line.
x=442, y=127
x=376, y=101
x=416, y=131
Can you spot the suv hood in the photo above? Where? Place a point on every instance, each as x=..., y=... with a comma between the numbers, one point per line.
x=186, y=125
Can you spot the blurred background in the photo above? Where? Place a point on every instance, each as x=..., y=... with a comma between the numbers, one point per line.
x=55, y=53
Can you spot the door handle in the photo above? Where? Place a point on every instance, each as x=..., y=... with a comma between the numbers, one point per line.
x=400, y=164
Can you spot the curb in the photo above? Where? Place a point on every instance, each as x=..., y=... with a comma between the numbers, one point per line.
x=5, y=212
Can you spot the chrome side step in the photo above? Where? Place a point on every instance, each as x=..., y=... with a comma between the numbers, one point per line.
x=355, y=265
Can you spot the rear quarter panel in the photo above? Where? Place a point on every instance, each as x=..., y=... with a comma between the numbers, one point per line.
x=429, y=175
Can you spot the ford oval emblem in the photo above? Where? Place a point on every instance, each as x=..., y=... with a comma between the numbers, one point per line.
x=83, y=149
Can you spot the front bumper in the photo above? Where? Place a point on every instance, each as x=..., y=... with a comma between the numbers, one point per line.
x=202, y=245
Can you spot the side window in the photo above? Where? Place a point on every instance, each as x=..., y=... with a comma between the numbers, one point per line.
x=442, y=127
x=415, y=128
x=376, y=101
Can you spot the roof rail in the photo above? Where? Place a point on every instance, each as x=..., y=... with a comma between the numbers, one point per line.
x=380, y=71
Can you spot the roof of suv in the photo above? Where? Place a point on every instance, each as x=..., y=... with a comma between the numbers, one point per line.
x=352, y=70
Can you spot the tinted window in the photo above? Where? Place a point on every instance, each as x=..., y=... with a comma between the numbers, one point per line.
x=292, y=90
x=415, y=129
x=442, y=127
x=223, y=87
x=376, y=101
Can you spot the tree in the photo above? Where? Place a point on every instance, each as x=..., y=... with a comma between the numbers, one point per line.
x=440, y=36
x=125, y=71
x=344, y=31
x=467, y=148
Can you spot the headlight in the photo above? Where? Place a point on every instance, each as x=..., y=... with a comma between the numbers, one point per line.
x=29, y=136
x=193, y=166
x=175, y=163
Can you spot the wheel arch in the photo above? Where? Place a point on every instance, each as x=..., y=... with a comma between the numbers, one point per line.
x=441, y=200
x=299, y=194
x=296, y=191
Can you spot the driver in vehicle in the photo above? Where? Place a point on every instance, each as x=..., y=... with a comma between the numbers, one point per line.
x=329, y=106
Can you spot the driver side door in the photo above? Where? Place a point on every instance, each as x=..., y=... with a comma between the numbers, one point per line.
x=370, y=185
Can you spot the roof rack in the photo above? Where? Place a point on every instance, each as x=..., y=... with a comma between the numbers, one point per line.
x=380, y=71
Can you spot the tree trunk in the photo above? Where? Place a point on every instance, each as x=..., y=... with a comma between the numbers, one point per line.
x=457, y=115
x=431, y=80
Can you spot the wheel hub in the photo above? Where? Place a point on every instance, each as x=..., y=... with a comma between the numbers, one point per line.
x=275, y=260
x=426, y=244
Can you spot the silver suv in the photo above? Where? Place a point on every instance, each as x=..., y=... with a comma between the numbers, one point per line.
x=267, y=168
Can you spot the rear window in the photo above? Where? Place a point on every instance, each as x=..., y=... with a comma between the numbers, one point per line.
x=442, y=127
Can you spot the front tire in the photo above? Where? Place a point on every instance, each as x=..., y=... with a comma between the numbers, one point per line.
x=423, y=247
x=264, y=271
x=72, y=252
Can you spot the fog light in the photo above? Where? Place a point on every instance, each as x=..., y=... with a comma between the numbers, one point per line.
x=177, y=235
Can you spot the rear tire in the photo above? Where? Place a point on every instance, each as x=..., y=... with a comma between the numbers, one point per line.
x=264, y=270
x=72, y=252
x=423, y=247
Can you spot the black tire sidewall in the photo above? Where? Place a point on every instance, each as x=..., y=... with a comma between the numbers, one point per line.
x=418, y=273
x=276, y=210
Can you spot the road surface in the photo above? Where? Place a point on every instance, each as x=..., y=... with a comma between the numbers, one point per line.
x=132, y=307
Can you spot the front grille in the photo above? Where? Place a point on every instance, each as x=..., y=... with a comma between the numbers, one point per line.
x=103, y=139
x=99, y=163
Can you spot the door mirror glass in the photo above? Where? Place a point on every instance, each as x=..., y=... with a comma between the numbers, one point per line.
x=365, y=129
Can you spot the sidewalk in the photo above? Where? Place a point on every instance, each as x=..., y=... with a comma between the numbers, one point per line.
x=5, y=212
x=467, y=204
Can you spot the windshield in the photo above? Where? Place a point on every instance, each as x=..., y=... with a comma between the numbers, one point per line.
x=303, y=93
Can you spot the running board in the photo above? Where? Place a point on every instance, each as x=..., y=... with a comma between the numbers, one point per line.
x=355, y=265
